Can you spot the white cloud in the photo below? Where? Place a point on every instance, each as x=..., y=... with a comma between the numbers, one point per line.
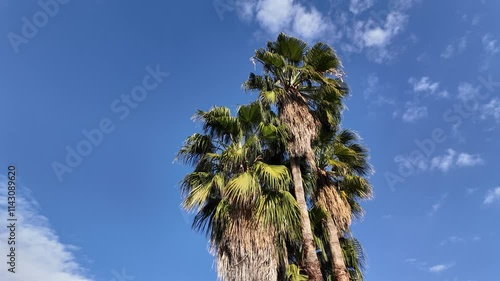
x=445, y=162
x=308, y=24
x=288, y=16
x=42, y=255
x=411, y=260
x=466, y=91
x=470, y=191
x=443, y=94
x=403, y=4
x=435, y=208
x=492, y=196
x=490, y=44
x=423, y=57
x=450, y=160
x=358, y=6
x=453, y=240
x=455, y=48
x=438, y=205
x=416, y=161
x=414, y=112
x=376, y=35
x=491, y=109
x=373, y=91
x=275, y=15
x=440, y=268
x=372, y=84
x=306, y=21
x=469, y=160
x=424, y=84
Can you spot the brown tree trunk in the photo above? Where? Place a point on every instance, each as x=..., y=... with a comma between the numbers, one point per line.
x=339, y=266
x=313, y=266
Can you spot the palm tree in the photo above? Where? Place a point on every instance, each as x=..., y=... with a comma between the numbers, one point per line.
x=354, y=256
x=305, y=85
x=239, y=190
x=342, y=165
x=351, y=250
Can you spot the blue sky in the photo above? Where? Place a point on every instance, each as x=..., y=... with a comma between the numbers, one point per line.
x=424, y=97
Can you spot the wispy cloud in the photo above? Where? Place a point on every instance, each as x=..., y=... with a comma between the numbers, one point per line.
x=452, y=240
x=440, y=268
x=445, y=162
x=491, y=109
x=42, y=255
x=453, y=159
x=359, y=30
x=372, y=84
x=492, y=196
x=490, y=44
x=459, y=240
x=423, y=84
x=381, y=35
x=438, y=205
x=455, y=48
x=466, y=91
x=373, y=91
x=414, y=112
x=426, y=86
x=358, y=6
x=470, y=191
x=469, y=160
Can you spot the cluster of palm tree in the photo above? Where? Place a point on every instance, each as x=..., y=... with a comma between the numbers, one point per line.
x=276, y=185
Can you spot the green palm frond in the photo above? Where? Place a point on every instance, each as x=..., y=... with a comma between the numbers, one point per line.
x=322, y=58
x=242, y=190
x=203, y=190
x=280, y=210
x=355, y=257
x=292, y=49
x=294, y=273
x=194, y=148
x=249, y=115
x=275, y=177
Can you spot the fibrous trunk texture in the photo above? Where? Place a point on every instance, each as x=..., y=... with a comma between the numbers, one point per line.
x=337, y=207
x=303, y=129
x=302, y=126
x=247, y=252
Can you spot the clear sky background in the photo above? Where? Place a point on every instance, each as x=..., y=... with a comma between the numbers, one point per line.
x=420, y=98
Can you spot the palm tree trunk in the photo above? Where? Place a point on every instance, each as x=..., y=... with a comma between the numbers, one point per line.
x=313, y=266
x=339, y=265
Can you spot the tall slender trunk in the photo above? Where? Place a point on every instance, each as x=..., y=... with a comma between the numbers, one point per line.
x=339, y=265
x=247, y=252
x=313, y=266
